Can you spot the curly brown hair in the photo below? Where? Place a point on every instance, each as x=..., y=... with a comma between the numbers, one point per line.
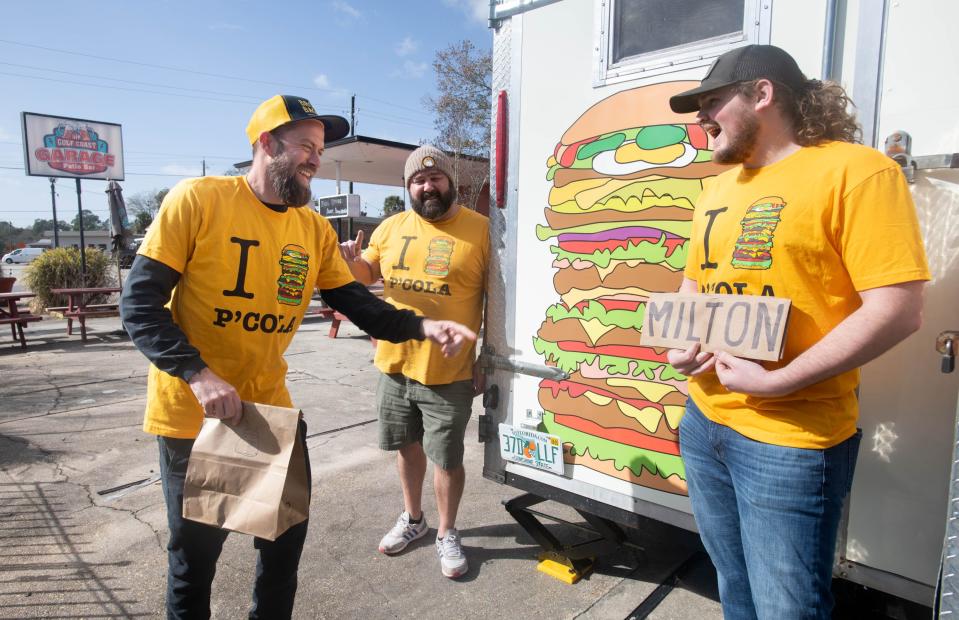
x=820, y=113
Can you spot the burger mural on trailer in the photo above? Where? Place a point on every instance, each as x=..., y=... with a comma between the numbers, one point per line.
x=625, y=177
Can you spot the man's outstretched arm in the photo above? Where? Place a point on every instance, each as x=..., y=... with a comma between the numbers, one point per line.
x=385, y=322
x=887, y=316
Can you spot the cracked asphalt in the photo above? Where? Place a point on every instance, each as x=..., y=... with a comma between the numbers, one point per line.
x=83, y=526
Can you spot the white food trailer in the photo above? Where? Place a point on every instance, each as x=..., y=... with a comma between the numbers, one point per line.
x=558, y=329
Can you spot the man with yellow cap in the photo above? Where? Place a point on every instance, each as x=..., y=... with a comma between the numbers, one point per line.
x=220, y=285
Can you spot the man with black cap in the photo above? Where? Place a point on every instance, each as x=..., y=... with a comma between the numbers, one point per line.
x=434, y=259
x=805, y=214
x=241, y=257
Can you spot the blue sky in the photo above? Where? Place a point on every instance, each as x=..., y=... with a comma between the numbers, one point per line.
x=195, y=71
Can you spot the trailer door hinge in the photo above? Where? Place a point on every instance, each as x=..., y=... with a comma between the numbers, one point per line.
x=487, y=429
x=898, y=146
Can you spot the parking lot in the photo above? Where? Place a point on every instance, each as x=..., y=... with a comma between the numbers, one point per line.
x=84, y=525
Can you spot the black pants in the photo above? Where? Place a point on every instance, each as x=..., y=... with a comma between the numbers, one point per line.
x=194, y=548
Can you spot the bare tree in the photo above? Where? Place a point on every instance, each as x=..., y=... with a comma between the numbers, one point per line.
x=146, y=202
x=462, y=111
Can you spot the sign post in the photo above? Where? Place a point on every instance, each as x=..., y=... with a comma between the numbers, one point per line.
x=83, y=245
x=75, y=148
x=56, y=223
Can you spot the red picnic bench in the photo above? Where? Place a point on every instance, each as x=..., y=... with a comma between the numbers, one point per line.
x=12, y=315
x=76, y=309
x=329, y=313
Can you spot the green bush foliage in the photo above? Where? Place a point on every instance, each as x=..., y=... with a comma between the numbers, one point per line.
x=60, y=268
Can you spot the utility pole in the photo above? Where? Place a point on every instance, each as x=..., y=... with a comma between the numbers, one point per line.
x=204, y=167
x=352, y=124
x=56, y=224
x=353, y=115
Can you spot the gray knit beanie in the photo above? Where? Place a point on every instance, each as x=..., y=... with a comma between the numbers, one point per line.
x=427, y=156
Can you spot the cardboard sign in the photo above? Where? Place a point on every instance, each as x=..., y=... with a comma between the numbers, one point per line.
x=744, y=325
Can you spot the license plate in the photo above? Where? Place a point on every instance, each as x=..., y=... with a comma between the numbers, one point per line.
x=539, y=450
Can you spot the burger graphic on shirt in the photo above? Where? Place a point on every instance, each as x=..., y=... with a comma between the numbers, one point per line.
x=624, y=179
x=753, y=249
x=294, y=267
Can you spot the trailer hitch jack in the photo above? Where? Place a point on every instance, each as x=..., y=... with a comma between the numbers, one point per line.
x=567, y=562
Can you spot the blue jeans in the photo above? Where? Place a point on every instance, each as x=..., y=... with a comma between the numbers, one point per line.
x=194, y=548
x=768, y=516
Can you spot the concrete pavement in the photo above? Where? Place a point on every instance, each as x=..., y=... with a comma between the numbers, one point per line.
x=83, y=524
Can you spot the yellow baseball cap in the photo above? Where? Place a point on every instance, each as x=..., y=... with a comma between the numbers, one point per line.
x=282, y=109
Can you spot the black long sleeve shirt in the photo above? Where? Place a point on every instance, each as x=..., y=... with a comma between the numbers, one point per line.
x=150, y=285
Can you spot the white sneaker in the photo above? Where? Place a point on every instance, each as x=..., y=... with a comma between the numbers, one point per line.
x=452, y=559
x=402, y=534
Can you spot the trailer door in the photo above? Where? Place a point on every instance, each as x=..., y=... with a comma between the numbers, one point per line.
x=908, y=405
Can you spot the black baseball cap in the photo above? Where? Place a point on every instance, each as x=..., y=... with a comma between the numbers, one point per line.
x=752, y=62
x=282, y=109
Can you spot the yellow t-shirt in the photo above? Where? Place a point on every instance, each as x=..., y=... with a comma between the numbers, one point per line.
x=439, y=271
x=247, y=274
x=816, y=228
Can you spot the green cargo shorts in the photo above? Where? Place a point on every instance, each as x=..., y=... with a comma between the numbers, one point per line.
x=435, y=415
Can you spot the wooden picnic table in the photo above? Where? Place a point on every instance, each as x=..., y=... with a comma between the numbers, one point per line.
x=78, y=309
x=11, y=315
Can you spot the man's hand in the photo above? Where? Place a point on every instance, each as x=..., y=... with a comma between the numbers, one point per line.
x=364, y=271
x=217, y=397
x=479, y=379
x=690, y=362
x=352, y=250
x=448, y=334
x=748, y=377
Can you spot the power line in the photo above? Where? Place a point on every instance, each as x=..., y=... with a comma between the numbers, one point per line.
x=133, y=90
x=231, y=157
x=165, y=67
x=389, y=116
x=127, y=173
x=373, y=114
x=394, y=105
x=40, y=210
x=154, y=84
x=203, y=73
x=380, y=117
x=183, y=155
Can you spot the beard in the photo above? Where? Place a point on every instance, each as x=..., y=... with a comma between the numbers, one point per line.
x=741, y=145
x=433, y=205
x=284, y=177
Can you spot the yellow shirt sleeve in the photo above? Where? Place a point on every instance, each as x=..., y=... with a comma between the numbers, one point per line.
x=171, y=238
x=333, y=272
x=372, y=252
x=878, y=232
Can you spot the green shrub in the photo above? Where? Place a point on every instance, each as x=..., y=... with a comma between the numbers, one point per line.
x=60, y=268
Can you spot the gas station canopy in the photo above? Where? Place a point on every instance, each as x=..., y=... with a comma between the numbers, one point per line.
x=362, y=159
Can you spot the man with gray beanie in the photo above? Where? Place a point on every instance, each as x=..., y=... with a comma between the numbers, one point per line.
x=432, y=260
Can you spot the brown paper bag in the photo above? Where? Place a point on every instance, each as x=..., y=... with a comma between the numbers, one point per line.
x=249, y=477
